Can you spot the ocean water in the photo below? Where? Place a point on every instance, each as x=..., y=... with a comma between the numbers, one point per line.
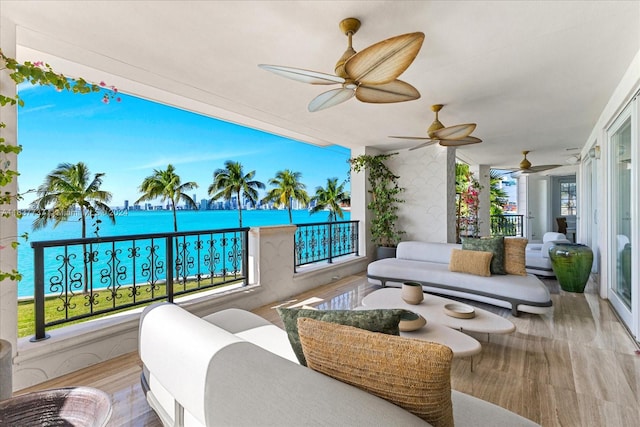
x=143, y=222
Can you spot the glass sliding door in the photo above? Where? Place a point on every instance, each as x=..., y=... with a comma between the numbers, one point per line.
x=622, y=164
x=623, y=217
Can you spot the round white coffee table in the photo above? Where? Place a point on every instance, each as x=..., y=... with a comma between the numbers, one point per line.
x=432, y=309
x=460, y=344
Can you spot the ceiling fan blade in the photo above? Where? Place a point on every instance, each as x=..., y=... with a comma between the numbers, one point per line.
x=330, y=98
x=384, y=61
x=394, y=91
x=459, y=142
x=424, y=144
x=455, y=132
x=417, y=138
x=536, y=169
x=305, y=76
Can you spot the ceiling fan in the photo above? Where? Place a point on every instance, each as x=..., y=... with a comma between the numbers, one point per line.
x=370, y=75
x=525, y=166
x=437, y=133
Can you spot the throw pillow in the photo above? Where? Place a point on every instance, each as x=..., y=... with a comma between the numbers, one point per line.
x=379, y=320
x=413, y=374
x=515, y=256
x=471, y=262
x=495, y=245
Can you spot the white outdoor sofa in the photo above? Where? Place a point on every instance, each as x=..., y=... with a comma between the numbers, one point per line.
x=428, y=263
x=537, y=254
x=233, y=368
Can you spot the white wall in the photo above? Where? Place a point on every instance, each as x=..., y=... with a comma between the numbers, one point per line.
x=428, y=176
x=536, y=190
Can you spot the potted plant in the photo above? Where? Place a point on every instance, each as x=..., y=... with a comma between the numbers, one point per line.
x=384, y=190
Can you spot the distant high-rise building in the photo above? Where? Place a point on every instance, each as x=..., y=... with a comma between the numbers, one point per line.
x=126, y=205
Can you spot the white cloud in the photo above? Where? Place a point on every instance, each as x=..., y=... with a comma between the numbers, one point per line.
x=194, y=158
x=28, y=110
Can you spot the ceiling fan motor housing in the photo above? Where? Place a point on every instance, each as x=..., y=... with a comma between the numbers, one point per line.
x=525, y=164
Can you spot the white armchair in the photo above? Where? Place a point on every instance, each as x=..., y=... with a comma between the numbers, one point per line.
x=537, y=254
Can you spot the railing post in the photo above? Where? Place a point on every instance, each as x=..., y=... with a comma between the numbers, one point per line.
x=38, y=283
x=330, y=242
x=357, y=228
x=170, y=267
x=245, y=256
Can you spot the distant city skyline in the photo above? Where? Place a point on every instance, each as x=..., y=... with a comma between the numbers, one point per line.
x=128, y=140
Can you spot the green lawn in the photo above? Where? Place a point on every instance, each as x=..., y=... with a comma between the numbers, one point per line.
x=53, y=306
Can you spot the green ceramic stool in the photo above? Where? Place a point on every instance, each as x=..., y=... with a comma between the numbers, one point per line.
x=571, y=262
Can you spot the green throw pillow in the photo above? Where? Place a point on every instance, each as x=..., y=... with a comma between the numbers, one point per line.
x=380, y=320
x=495, y=245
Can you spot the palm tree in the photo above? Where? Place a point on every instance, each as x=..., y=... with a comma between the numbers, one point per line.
x=66, y=188
x=166, y=185
x=330, y=197
x=497, y=195
x=287, y=188
x=232, y=181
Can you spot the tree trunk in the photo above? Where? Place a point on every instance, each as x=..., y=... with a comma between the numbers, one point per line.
x=239, y=210
x=85, y=257
x=175, y=218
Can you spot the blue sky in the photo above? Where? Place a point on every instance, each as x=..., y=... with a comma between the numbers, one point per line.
x=127, y=140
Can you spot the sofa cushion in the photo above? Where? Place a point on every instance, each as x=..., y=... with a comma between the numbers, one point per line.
x=255, y=329
x=412, y=374
x=495, y=245
x=249, y=386
x=552, y=235
x=471, y=262
x=514, y=256
x=426, y=251
x=382, y=320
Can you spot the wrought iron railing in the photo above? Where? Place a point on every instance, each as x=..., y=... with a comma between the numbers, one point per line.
x=324, y=241
x=80, y=278
x=507, y=225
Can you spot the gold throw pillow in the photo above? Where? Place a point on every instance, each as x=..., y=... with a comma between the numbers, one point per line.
x=514, y=255
x=471, y=262
x=413, y=374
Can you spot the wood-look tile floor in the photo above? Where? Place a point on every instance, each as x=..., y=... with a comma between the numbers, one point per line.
x=575, y=366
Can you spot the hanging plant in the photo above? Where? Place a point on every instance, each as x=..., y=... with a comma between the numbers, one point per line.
x=384, y=190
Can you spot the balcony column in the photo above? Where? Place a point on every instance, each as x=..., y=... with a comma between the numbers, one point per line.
x=8, y=225
x=483, y=174
x=271, y=258
x=359, y=199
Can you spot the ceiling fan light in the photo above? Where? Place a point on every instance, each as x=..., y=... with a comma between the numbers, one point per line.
x=350, y=84
x=525, y=164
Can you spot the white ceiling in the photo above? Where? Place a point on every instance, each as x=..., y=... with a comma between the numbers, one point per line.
x=534, y=75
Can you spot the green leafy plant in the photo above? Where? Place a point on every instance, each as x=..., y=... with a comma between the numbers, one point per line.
x=468, y=202
x=36, y=73
x=384, y=190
